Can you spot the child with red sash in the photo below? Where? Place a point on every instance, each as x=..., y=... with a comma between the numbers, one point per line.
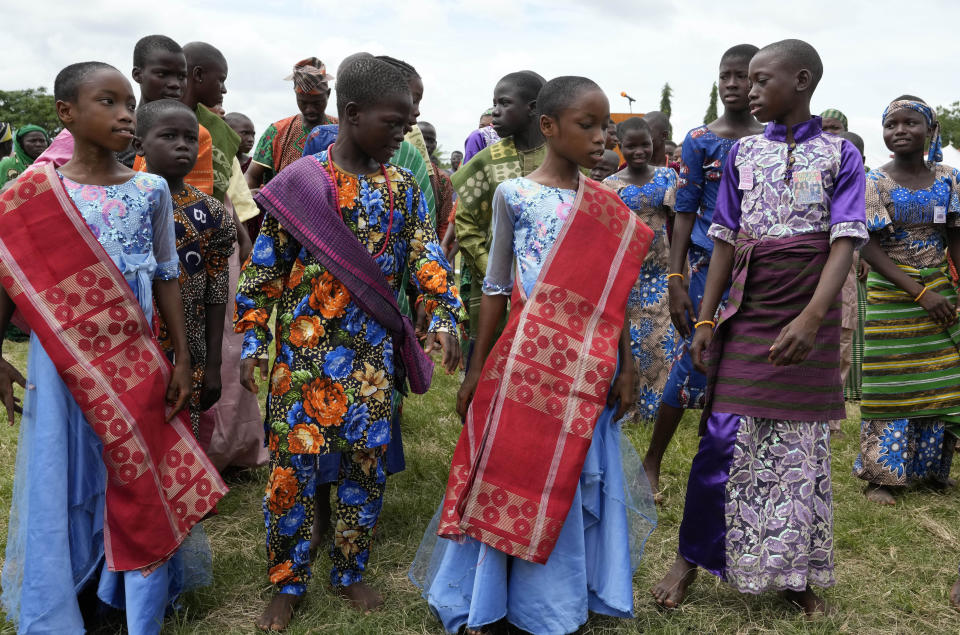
x=109, y=483
x=545, y=520
x=340, y=226
x=789, y=214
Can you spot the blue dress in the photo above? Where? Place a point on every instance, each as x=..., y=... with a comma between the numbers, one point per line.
x=591, y=567
x=55, y=537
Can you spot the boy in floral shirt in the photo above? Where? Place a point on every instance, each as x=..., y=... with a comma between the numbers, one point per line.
x=332, y=381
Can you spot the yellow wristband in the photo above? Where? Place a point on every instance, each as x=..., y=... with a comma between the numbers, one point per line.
x=712, y=324
x=679, y=275
x=917, y=299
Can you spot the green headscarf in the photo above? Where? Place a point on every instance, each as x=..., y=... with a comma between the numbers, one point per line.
x=13, y=166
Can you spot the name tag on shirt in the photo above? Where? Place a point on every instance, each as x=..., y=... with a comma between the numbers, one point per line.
x=939, y=214
x=808, y=187
x=746, y=177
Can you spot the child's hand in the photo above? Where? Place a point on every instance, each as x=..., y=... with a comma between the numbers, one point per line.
x=8, y=377
x=701, y=340
x=421, y=324
x=211, y=389
x=247, y=367
x=681, y=307
x=795, y=341
x=451, y=349
x=179, y=389
x=623, y=390
x=938, y=307
x=465, y=394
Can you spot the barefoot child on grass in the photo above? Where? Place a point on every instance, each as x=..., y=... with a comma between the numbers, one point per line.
x=911, y=334
x=340, y=226
x=759, y=503
x=537, y=500
x=705, y=150
x=168, y=138
x=109, y=478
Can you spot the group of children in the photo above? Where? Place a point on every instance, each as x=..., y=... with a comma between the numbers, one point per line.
x=718, y=288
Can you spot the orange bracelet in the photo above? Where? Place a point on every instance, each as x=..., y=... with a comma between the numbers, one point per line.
x=917, y=299
x=712, y=324
x=670, y=275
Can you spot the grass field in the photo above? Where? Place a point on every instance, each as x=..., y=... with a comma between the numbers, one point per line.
x=894, y=566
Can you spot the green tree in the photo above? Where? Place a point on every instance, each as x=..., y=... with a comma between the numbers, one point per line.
x=32, y=105
x=712, y=108
x=949, y=117
x=665, y=94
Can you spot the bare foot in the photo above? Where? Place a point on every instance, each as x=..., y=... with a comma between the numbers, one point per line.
x=278, y=613
x=955, y=594
x=811, y=603
x=879, y=494
x=652, y=470
x=672, y=589
x=362, y=596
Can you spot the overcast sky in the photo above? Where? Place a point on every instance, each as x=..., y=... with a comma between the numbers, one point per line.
x=872, y=51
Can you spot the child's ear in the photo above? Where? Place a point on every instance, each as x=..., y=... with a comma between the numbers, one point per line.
x=64, y=111
x=138, y=146
x=547, y=125
x=803, y=79
x=351, y=113
x=136, y=74
x=197, y=74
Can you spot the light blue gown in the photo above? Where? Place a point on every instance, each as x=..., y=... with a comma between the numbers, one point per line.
x=55, y=535
x=591, y=566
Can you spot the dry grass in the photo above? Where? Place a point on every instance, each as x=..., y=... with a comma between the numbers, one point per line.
x=894, y=565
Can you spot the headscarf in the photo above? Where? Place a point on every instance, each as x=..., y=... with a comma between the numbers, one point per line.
x=833, y=113
x=13, y=166
x=309, y=77
x=935, y=154
x=6, y=132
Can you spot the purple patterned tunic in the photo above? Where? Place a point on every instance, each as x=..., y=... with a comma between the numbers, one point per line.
x=759, y=502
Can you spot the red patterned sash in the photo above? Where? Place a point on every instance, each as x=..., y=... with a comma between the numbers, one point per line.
x=518, y=461
x=160, y=483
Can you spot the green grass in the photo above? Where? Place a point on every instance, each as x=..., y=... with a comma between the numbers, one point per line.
x=894, y=566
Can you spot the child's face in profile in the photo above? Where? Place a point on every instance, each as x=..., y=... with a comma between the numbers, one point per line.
x=773, y=89
x=211, y=90
x=170, y=146
x=579, y=131
x=381, y=126
x=163, y=76
x=511, y=112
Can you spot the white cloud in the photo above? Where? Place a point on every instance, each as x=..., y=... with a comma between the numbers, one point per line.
x=462, y=48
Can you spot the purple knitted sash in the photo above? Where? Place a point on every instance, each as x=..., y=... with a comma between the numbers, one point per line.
x=773, y=280
x=301, y=198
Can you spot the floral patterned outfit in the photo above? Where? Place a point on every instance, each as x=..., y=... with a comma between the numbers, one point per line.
x=759, y=501
x=205, y=238
x=909, y=393
x=332, y=381
x=653, y=339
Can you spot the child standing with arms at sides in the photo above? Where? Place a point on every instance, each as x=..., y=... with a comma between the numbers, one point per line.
x=911, y=335
x=107, y=484
x=536, y=505
x=340, y=226
x=518, y=153
x=705, y=151
x=167, y=138
x=650, y=192
x=759, y=507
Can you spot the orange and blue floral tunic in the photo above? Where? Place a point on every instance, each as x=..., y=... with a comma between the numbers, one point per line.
x=331, y=386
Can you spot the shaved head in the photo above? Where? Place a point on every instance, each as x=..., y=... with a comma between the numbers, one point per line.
x=201, y=54
x=799, y=56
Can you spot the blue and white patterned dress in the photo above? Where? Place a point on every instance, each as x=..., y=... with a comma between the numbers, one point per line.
x=653, y=339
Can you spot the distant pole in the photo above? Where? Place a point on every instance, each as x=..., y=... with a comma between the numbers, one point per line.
x=629, y=99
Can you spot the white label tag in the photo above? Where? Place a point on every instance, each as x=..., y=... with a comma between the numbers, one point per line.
x=939, y=214
x=746, y=177
x=808, y=187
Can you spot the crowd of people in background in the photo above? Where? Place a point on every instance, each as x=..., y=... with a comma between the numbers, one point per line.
x=166, y=261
